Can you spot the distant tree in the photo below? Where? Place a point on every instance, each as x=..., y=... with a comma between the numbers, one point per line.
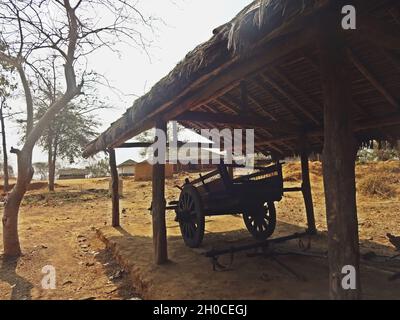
x=378, y=151
x=33, y=32
x=99, y=169
x=7, y=86
x=67, y=135
x=41, y=168
x=10, y=170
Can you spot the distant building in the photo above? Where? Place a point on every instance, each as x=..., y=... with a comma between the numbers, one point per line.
x=144, y=171
x=72, y=173
x=127, y=168
x=197, y=159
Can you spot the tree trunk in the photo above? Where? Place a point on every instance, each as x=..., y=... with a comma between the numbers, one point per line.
x=50, y=162
x=13, y=201
x=52, y=169
x=339, y=158
x=52, y=176
x=6, y=185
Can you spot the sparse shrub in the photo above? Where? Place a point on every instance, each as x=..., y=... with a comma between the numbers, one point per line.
x=292, y=172
x=377, y=185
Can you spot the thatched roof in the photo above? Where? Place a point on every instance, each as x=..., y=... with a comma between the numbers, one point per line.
x=72, y=172
x=271, y=45
x=127, y=163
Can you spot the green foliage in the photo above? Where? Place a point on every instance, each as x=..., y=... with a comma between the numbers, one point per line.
x=99, y=169
x=71, y=130
x=383, y=152
x=41, y=168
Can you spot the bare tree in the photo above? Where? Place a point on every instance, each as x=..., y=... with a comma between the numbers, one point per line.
x=7, y=87
x=61, y=139
x=32, y=31
x=6, y=184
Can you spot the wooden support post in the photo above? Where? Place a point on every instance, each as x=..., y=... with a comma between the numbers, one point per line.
x=339, y=159
x=231, y=172
x=114, y=189
x=306, y=190
x=158, y=205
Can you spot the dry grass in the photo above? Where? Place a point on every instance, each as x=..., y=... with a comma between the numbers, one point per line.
x=377, y=185
x=292, y=171
x=379, y=179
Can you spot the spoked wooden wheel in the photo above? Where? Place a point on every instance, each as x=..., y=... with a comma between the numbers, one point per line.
x=190, y=216
x=260, y=220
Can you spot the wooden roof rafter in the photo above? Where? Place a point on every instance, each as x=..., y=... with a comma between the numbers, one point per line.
x=278, y=99
x=216, y=68
x=373, y=80
x=290, y=97
x=252, y=121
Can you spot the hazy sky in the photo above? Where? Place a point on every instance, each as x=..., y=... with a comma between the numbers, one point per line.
x=187, y=23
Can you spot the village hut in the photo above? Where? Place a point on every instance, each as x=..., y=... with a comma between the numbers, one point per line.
x=144, y=171
x=72, y=173
x=127, y=168
x=306, y=81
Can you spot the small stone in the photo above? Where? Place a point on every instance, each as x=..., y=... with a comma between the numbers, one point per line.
x=117, y=275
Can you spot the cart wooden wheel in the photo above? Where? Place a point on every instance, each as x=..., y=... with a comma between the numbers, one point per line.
x=260, y=220
x=191, y=217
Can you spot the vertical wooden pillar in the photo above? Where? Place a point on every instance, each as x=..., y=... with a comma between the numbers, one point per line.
x=307, y=195
x=231, y=172
x=114, y=189
x=338, y=156
x=158, y=207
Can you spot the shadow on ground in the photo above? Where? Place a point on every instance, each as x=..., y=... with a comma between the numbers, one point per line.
x=298, y=272
x=20, y=287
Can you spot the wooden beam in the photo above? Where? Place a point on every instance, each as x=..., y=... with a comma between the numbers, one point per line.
x=290, y=97
x=272, y=128
x=260, y=105
x=394, y=59
x=373, y=80
x=159, y=204
x=379, y=123
x=295, y=88
x=378, y=31
x=278, y=99
x=132, y=145
x=306, y=187
x=231, y=105
x=213, y=84
x=114, y=189
x=339, y=157
x=223, y=118
x=275, y=49
x=244, y=97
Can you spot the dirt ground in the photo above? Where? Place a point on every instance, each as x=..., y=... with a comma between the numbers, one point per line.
x=60, y=230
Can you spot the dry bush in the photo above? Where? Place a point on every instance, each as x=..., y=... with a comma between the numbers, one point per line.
x=389, y=170
x=316, y=168
x=292, y=172
x=376, y=185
